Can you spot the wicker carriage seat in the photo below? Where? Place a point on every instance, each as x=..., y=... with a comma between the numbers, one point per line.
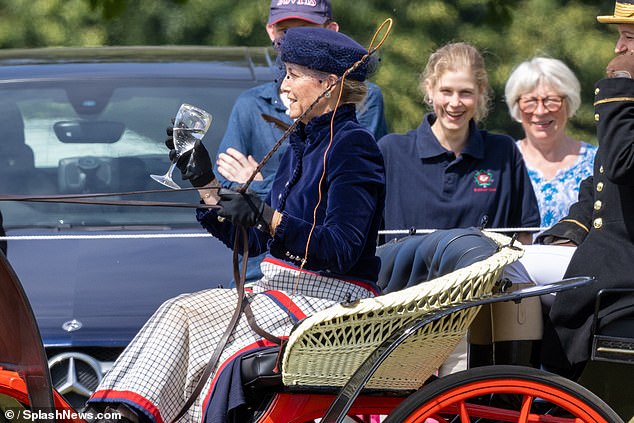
x=324, y=349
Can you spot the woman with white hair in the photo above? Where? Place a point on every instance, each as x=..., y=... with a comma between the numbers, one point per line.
x=543, y=94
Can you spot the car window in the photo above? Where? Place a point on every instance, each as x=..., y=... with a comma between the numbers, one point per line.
x=104, y=136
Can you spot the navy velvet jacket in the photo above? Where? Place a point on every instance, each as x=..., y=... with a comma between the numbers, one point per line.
x=343, y=243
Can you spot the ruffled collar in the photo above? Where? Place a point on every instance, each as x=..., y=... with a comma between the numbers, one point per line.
x=320, y=123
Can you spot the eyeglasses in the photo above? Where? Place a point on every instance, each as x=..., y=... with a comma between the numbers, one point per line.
x=550, y=103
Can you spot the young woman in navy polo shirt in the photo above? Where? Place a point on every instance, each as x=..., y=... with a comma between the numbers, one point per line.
x=448, y=173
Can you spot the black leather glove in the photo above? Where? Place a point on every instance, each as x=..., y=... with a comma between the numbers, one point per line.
x=622, y=66
x=195, y=164
x=245, y=209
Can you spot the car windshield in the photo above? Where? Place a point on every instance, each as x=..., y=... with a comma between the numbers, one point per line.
x=99, y=136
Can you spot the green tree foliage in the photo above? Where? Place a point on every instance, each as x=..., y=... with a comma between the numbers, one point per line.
x=506, y=31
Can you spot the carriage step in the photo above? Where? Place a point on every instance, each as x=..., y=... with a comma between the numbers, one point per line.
x=613, y=349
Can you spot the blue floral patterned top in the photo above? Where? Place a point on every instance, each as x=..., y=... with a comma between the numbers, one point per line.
x=555, y=196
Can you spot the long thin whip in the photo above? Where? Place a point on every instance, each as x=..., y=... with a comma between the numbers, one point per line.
x=371, y=50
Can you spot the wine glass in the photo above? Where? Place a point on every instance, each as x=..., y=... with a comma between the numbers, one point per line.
x=190, y=124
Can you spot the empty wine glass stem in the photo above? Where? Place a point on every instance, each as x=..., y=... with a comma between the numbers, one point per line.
x=170, y=170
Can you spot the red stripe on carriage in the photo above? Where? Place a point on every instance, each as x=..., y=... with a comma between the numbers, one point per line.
x=366, y=285
x=127, y=397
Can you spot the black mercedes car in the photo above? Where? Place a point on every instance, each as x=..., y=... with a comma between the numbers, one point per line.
x=92, y=120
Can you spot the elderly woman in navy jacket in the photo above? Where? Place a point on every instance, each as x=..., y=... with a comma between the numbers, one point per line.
x=319, y=226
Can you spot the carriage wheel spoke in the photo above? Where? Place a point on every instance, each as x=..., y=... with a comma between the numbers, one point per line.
x=464, y=413
x=527, y=402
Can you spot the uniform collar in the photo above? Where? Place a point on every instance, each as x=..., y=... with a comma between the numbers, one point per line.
x=428, y=145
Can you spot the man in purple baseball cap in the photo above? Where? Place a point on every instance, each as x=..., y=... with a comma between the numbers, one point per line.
x=286, y=14
x=313, y=11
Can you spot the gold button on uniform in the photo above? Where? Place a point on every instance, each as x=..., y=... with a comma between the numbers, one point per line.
x=596, y=91
x=597, y=223
x=596, y=117
x=600, y=186
x=601, y=170
x=598, y=204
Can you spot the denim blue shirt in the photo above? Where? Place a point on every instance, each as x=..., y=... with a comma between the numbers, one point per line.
x=429, y=187
x=343, y=243
x=248, y=133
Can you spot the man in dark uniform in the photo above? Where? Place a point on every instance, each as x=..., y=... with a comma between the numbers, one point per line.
x=601, y=223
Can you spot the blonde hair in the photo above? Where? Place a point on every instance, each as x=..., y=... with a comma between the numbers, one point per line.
x=551, y=72
x=452, y=57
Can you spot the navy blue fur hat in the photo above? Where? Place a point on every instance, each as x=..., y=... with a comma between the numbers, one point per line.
x=325, y=50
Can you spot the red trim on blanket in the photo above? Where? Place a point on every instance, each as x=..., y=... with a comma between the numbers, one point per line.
x=258, y=344
x=109, y=395
x=366, y=285
x=287, y=302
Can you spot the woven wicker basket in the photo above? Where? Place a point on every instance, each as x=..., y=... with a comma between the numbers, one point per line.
x=326, y=348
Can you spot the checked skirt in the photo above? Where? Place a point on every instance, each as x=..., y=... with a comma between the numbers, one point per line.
x=160, y=368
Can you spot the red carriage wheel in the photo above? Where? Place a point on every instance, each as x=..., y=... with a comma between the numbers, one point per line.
x=503, y=394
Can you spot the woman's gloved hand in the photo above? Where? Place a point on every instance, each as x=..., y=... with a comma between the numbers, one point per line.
x=622, y=66
x=195, y=164
x=245, y=209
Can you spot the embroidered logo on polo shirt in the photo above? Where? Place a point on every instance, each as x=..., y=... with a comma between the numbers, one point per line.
x=483, y=180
